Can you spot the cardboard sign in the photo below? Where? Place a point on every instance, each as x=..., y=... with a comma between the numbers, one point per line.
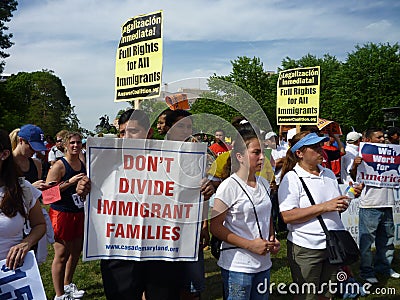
x=177, y=101
x=329, y=127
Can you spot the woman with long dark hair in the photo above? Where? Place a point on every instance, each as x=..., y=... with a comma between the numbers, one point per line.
x=241, y=218
x=18, y=202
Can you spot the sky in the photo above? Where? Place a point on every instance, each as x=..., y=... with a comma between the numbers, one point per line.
x=78, y=39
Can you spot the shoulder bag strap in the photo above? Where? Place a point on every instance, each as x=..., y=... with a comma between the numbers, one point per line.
x=254, y=208
x=320, y=219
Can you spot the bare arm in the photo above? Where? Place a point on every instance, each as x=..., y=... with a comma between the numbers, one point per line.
x=58, y=171
x=83, y=187
x=17, y=253
x=353, y=171
x=279, y=162
x=258, y=245
x=340, y=145
x=38, y=165
x=301, y=215
x=40, y=184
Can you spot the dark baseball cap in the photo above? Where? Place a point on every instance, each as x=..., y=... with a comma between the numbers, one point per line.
x=34, y=136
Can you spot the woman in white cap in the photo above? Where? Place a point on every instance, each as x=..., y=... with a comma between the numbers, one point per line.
x=306, y=241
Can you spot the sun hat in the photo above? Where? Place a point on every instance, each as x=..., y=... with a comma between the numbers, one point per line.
x=310, y=139
x=34, y=136
x=353, y=136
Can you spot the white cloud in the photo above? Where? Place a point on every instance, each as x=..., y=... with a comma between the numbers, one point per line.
x=379, y=26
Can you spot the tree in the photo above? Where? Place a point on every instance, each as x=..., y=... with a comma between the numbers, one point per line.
x=153, y=108
x=6, y=9
x=105, y=126
x=367, y=82
x=38, y=98
x=232, y=95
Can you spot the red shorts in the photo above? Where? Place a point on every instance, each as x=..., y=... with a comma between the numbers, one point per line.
x=67, y=226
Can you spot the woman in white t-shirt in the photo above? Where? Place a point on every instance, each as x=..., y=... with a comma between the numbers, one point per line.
x=15, y=198
x=306, y=241
x=241, y=218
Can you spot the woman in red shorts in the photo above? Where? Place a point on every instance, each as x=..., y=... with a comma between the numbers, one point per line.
x=67, y=217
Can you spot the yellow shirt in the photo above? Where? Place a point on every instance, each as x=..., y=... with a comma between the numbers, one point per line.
x=217, y=168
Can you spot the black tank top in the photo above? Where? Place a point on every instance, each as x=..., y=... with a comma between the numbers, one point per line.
x=32, y=174
x=66, y=203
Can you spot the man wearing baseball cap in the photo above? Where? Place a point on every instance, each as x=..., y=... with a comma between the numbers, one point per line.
x=33, y=135
x=353, y=140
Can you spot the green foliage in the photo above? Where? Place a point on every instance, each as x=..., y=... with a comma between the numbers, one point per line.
x=366, y=83
x=6, y=9
x=38, y=98
x=229, y=95
x=153, y=108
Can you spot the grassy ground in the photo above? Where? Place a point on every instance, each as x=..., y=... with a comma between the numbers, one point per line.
x=88, y=277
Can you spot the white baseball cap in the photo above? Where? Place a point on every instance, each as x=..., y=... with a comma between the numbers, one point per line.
x=353, y=136
x=269, y=135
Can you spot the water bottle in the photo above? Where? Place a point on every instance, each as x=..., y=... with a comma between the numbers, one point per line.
x=350, y=192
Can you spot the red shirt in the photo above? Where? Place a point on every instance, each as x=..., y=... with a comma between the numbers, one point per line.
x=333, y=158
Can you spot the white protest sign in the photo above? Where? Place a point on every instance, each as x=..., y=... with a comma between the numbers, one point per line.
x=22, y=283
x=145, y=201
x=380, y=166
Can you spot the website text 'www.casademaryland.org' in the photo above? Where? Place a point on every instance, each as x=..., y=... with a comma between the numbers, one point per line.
x=142, y=248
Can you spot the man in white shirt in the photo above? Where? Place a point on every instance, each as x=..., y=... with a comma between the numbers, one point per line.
x=278, y=153
x=375, y=222
x=353, y=140
x=57, y=151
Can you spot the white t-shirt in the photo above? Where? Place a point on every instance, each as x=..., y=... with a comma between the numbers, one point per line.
x=55, y=154
x=376, y=197
x=347, y=163
x=11, y=228
x=278, y=153
x=241, y=220
x=292, y=195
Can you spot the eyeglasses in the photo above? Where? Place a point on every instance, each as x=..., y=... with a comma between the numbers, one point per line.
x=75, y=142
x=58, y=141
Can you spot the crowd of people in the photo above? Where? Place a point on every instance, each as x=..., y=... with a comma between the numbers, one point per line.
x=254, y=186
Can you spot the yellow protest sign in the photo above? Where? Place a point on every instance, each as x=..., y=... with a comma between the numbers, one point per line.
x=138, y=66
x=298, y=96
